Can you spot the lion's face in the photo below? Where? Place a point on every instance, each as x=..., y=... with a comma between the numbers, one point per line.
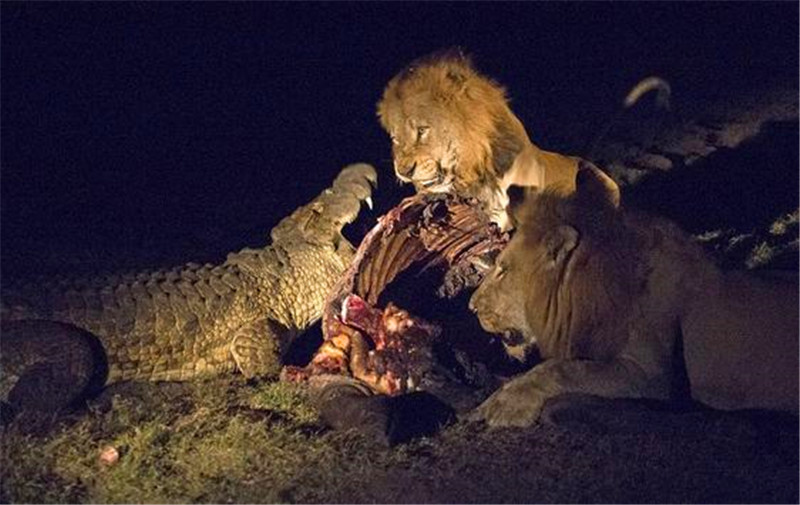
x=501, y=302
x=425, y=148
x=451, y=128
x=566, y=271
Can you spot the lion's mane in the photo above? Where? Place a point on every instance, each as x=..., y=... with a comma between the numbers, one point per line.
x=473, y=111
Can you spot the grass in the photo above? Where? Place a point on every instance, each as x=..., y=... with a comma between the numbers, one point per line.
x=209, y=442
x=230, y=441
x=201, y=449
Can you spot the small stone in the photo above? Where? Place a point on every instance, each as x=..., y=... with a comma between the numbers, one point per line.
x=109, y=456
x=653, y=161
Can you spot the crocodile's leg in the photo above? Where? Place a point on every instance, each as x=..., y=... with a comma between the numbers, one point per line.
x=256, y=348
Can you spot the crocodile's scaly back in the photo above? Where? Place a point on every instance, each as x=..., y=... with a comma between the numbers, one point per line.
x=202, y=320
x=156, y=325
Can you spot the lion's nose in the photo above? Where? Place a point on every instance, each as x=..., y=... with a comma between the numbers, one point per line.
x=408, y=170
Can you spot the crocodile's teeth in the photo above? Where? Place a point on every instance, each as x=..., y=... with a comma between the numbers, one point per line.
x=368, y=201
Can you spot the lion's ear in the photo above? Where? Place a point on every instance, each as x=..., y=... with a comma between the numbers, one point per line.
x=594, y=186
x=560, y=243
x=457, y=71
x=517, y=197
x=456, y=79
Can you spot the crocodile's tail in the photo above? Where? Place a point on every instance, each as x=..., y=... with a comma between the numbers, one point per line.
x=322, y=219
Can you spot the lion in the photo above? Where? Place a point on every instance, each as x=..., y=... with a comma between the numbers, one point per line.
x=626, y=305
x=452, y=130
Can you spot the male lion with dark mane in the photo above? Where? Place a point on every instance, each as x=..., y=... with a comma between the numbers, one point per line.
x=622, y=304
x=452, y=131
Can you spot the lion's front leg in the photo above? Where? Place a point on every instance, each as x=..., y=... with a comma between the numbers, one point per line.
x=520, y=401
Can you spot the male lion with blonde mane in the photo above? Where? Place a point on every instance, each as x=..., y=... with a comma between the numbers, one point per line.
x=453, y=131
x=622, y=304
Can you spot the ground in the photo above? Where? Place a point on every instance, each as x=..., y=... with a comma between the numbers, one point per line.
x=228, y=440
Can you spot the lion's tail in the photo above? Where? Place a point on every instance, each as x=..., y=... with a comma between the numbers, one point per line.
x=643, y=87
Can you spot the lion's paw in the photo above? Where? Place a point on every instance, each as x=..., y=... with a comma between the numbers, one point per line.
x=517, y=404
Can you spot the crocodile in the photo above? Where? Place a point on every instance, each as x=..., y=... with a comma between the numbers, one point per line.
x=193, y=320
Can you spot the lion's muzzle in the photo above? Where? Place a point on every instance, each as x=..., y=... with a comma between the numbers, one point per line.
x=483, y=306
x=427, y=176
x=405, y=171
x=488, y=319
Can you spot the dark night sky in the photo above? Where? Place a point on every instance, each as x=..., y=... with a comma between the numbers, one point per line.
x=175, y=131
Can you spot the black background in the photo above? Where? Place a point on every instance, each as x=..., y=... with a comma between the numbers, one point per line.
x=135, y=134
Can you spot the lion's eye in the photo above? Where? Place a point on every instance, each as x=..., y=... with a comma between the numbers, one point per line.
x=422, y=131
x=500, y=271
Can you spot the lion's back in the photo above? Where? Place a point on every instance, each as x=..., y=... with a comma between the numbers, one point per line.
x=741, y=342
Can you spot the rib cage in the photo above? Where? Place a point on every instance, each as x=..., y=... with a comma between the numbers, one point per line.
x=432, y=230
